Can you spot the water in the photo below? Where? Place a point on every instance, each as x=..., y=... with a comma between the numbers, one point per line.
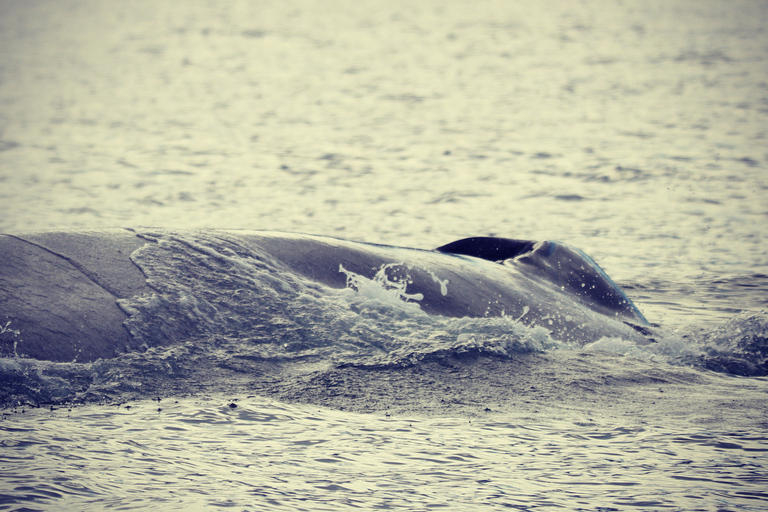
x=634, y=131
x=256, y=454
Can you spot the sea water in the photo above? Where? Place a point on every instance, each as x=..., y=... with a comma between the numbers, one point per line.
x=635, y=131
x=255, y=454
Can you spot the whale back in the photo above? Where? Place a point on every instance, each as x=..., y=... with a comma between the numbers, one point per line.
x=84, y=295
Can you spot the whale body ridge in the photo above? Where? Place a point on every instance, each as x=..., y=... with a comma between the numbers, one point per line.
x=63, y=293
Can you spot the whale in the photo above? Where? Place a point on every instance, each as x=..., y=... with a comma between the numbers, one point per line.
x=66, y=296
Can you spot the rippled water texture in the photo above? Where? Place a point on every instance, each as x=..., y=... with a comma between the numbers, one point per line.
x=633, y=130
x=256, y=453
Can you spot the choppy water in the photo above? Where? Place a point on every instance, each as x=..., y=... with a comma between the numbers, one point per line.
x=634, y=131
x=257, y=455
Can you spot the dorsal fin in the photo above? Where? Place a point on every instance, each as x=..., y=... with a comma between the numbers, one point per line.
x=488, y=248
x=566, y=267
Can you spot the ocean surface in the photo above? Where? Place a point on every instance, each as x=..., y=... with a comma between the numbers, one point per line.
x=635, y=131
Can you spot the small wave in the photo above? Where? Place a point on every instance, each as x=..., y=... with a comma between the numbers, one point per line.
x=738, y=347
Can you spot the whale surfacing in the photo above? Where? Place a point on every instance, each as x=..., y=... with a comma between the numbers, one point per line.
x=63, y=293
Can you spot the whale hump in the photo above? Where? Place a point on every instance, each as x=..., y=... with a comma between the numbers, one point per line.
x=488, y=248
x=558, y=263
x=89, y=294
